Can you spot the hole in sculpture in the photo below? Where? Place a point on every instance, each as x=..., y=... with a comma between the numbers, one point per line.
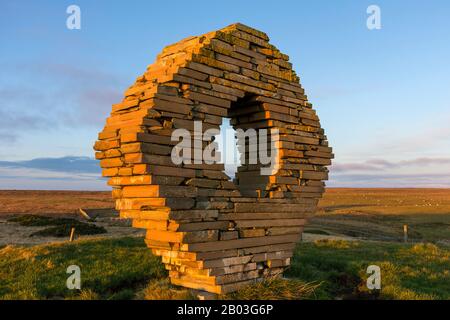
x=245, y=145
x=227, y=146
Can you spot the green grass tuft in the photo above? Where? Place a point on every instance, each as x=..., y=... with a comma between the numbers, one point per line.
x=31, y=220
x=124, y=268
x=408, y=271
x=275, y=289
x=64, y=230
x=110, y=269
x=162, y=289
x=317, y=231
x=60, y=227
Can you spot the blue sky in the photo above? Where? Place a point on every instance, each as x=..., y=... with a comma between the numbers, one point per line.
x=382, y=95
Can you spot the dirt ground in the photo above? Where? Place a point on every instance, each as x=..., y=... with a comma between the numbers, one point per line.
x=372, y=214
x=58, y=204
x=382, y=214
x=14, y=234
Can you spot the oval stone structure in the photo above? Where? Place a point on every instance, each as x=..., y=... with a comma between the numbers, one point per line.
x=214, y=233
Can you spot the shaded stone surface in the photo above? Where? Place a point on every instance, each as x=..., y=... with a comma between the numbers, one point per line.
x=214, y=234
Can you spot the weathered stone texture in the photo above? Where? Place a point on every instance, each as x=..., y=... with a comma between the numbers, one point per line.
x=211, y=233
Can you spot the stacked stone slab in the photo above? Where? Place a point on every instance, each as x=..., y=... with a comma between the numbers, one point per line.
x=215, y=234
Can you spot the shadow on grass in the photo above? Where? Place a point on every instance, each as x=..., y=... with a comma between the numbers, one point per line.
x=59, y=227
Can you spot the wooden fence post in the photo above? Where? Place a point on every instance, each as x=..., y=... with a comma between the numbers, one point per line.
x=72, y=234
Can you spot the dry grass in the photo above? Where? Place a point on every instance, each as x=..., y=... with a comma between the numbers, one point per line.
x=161, y=289
x=379, y=214
x=52, y=202
x=394, y=201
x=57, y=227
x=275, y=289
x=268, y=289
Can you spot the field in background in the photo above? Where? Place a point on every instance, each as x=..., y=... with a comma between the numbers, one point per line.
x=52, y=202
x=371, y=219
x=379, y=214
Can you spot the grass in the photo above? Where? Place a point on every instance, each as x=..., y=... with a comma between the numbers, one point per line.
x=408, y=271
x=110, y=269
x=276, y=289
x=161, y=289
x=124, y=268
x=379, y=214
x=60, y=227
x=53, y=202
x=61, y=231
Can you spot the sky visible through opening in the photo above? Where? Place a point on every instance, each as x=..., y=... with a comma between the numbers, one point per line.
x=227, y=146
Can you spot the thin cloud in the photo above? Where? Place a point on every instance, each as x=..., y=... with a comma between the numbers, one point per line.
x=66, y=165
x=77, y=98
x=345, y=167
x=94, y=105
x=10, y=120
x=418, y=172
x=12, y=124
x=67, y=173
x=7, y=137
x=427, y=180
x=434, y=133
x=380, y=164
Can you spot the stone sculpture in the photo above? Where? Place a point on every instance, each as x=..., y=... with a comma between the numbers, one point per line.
x=214, y=234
